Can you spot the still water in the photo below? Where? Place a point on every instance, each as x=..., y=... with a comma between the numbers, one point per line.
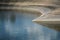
x=19, y=26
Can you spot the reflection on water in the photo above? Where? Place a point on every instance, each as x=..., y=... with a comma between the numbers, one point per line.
x=19, y=26
x=12, y=18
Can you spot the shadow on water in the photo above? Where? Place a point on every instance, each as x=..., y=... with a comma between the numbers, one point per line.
x=51, y=26
x=19, y=26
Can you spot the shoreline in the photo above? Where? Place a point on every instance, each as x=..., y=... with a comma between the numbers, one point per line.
x=28, y=4
x=21, y=9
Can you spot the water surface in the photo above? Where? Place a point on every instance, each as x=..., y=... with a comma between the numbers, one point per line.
x=19, y=26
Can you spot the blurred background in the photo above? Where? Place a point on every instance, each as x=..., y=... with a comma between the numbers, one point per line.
x=18, y=25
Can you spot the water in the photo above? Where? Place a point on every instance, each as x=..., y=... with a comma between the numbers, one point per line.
x=19, y=26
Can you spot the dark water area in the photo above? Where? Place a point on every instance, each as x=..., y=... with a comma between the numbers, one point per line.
x=19, y=26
